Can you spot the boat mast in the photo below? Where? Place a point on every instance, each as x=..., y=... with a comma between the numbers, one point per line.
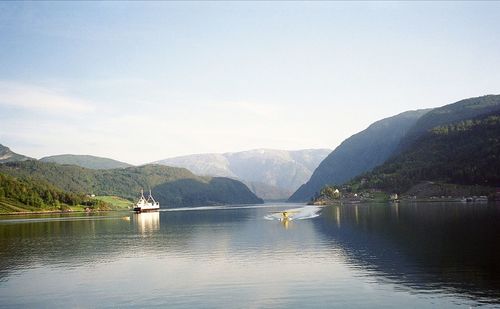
x=151, y=197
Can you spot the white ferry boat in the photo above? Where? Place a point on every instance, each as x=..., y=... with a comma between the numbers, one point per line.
x=146, y=204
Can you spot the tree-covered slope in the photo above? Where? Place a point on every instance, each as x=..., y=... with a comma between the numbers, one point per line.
x=461, y=110
x=127, y=182
x=7, y=155
x=359, y=153
x=212, y=191
x=465, y=152
x=36, y=195
x=86, y=161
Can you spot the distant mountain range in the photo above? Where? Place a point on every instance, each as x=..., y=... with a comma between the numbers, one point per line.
x=86, y=161
x=455, y=143
x=7, y=155
x=271, y=174
x=268, y=173
x=172, y=187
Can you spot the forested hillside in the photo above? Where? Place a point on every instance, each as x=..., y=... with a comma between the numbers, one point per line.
x=129, y=181
x=465, y=152
x=461, y=110
x=410, y=142
x=37, y=195
x=359, y=153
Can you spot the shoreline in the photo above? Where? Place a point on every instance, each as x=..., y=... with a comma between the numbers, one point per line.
x=56, y=212
x=403, y=201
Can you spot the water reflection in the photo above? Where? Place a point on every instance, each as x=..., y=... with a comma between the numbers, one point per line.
x=147, y=222
x=453, y=248
x=392, y=255
x=337, y=216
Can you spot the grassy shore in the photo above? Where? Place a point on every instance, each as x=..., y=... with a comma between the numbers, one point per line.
x=116, y=202
x=11, y=207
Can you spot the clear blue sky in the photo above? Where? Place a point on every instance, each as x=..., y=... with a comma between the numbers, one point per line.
x=142, y=81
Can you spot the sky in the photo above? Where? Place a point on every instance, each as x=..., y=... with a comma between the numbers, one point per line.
x=144, y=81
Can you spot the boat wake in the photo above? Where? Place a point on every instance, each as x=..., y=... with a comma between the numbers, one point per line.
x=221, y=207
x=306, y=212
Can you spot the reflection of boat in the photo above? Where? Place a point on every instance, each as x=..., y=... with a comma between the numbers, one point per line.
x=285, y=215
x=148, y=204
x=147, y=222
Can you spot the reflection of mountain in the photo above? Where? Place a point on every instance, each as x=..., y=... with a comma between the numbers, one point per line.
x=38, y=239
x=147, y=222
x=453, y=248
x=58, y=239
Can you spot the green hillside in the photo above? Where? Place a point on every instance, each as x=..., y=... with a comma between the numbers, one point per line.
x=461, y=110
x=211, y=191
x=465, y=152
x=35, y=195
x=115, y=201
x=411, y=131
x=86, y=161
x=172, y=186
x=359, y=153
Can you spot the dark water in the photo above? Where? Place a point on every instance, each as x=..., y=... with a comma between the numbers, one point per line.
x=406, y=256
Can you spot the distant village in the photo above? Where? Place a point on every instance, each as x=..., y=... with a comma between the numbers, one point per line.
x=425, y=191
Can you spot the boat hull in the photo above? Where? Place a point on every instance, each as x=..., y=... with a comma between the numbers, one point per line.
x=141, y=209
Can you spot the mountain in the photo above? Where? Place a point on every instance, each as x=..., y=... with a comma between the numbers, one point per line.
x=86, y=161
x=359, y=153
x=7, y=155
x=267, y=192
x=461, y=110
x=173, y=186
x=458, y=147
x=270, y=173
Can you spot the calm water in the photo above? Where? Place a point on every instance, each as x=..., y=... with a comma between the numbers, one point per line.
x=425, y=255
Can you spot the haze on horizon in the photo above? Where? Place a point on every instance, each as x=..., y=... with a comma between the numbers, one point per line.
x=140, y=82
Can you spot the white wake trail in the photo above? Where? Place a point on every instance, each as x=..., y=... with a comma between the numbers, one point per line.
x=306, y=212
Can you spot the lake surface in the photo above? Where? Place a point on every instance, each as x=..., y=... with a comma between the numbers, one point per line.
x=386, y=256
